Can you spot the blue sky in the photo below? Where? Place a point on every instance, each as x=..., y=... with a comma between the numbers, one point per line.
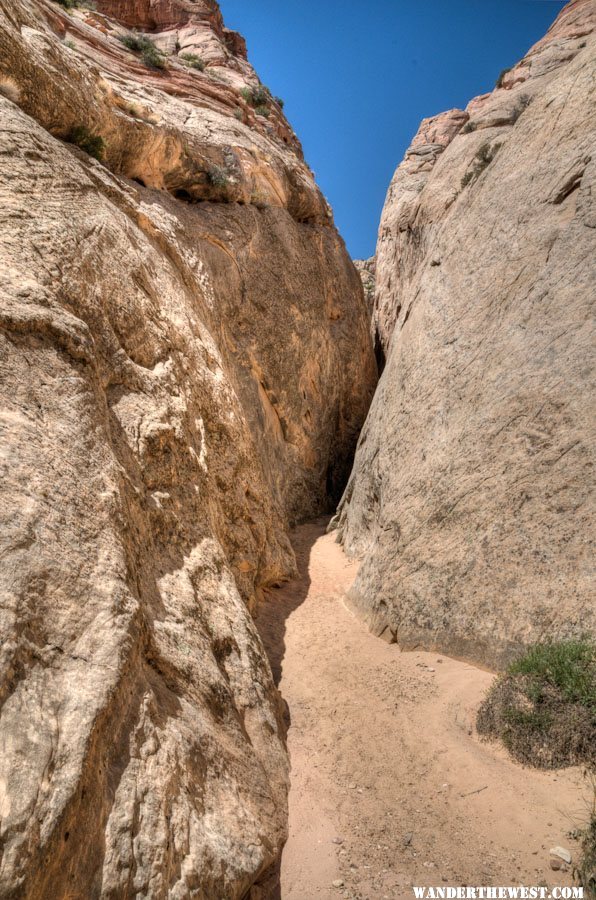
x=358, y=77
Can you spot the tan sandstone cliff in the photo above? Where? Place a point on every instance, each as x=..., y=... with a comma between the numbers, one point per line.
x=471, y=500
x=185, y=364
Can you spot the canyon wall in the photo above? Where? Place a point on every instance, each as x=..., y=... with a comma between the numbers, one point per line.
x=185, y=366
x=471, y=499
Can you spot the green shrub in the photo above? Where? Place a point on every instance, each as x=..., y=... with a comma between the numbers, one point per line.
x=152, y=58
x=279, y=101
x=133, y=41
x=544, y=706
x=140, y=43
x=262, y=111
x=567, y=665
x=217, y=176
x=192, y=60
x=91, y=143
x=258, y=96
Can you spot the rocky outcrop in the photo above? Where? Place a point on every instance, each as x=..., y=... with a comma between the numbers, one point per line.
x=366, y=268
x=185, y=365
x=470, y=499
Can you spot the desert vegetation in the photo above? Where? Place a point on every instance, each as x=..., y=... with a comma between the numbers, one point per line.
x=140, y=43
x=192, y=60
x=543, y=708
x=86, y=140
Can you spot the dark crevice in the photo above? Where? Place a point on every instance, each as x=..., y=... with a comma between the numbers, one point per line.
x=571, y=185
x=181, y=194
x=379, y=353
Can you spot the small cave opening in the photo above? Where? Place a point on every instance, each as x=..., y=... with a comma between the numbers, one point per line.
x=181, y=194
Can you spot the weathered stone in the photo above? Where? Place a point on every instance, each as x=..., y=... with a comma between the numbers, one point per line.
x=471, y=499
x=366, y=269
x=185, y=365
x=561, y=853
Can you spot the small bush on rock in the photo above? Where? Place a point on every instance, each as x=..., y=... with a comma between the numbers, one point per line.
x=501, y=77
x=484, y=156
x=140, y=43
x=91, y=143
x=468, y=128
x=257, y=97
x=153, y=58
x=544, y=707
x=192, y=61
x=262, y=111
x=217, y=177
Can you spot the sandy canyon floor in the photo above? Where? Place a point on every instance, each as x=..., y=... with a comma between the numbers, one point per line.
x=390, y=785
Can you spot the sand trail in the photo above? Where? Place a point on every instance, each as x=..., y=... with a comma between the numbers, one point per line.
x=390, y=785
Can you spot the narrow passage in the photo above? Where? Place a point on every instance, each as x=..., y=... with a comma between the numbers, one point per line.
x=390, y=785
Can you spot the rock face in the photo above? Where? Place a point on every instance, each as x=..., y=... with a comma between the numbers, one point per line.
x=185, y=365
x=470, y=496
x=366, y=268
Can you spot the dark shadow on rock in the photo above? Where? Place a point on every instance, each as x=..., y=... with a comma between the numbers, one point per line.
x=281, y=602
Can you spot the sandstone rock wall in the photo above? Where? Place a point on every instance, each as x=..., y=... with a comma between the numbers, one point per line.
x=367, y=269
x=471, y=500
x=185, y=365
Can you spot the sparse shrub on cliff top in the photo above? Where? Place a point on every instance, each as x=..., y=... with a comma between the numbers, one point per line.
x=91, y=143
x=279, y=102
x=192, y=60
x=140, y=43
x=544, y=707
x=501, y=77
x=257, y=96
